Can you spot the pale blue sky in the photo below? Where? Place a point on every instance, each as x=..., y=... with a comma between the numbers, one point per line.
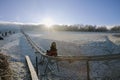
x=95, y=12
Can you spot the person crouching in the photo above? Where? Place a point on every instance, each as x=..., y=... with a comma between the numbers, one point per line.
x=53, y=50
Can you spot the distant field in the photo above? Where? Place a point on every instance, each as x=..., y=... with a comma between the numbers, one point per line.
x=71, y=36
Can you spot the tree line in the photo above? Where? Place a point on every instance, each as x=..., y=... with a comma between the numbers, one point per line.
x=76, y=27
x=86, y=28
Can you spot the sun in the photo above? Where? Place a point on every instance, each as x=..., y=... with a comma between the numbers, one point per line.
x=48, y=22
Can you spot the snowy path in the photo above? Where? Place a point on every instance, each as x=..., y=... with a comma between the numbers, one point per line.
x=16, y=47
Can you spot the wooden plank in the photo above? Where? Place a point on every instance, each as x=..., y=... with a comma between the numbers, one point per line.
x=31, y=68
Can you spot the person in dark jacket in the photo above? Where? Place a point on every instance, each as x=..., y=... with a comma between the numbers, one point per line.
x=53, y=50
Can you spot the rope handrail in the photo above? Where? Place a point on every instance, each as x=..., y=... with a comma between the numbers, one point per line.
x=72, y=58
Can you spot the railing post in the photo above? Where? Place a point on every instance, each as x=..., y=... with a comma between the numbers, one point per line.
x=88, y=70
x=36, y=65
x=46, y=66
x=57, y=66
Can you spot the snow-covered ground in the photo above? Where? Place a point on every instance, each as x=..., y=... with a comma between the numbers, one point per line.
x=16, y=47
x=68, y=43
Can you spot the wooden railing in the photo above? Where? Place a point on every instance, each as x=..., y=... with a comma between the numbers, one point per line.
x=31, y=69
x=72, y=58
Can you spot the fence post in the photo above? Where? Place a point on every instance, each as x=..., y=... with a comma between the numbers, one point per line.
x=46, y=66
x=57, y=66
x=88, y=70
x=36, y=65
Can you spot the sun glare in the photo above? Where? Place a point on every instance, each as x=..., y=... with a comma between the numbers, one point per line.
x=48, y=22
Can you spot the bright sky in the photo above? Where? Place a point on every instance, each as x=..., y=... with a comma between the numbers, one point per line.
x=99, y=12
